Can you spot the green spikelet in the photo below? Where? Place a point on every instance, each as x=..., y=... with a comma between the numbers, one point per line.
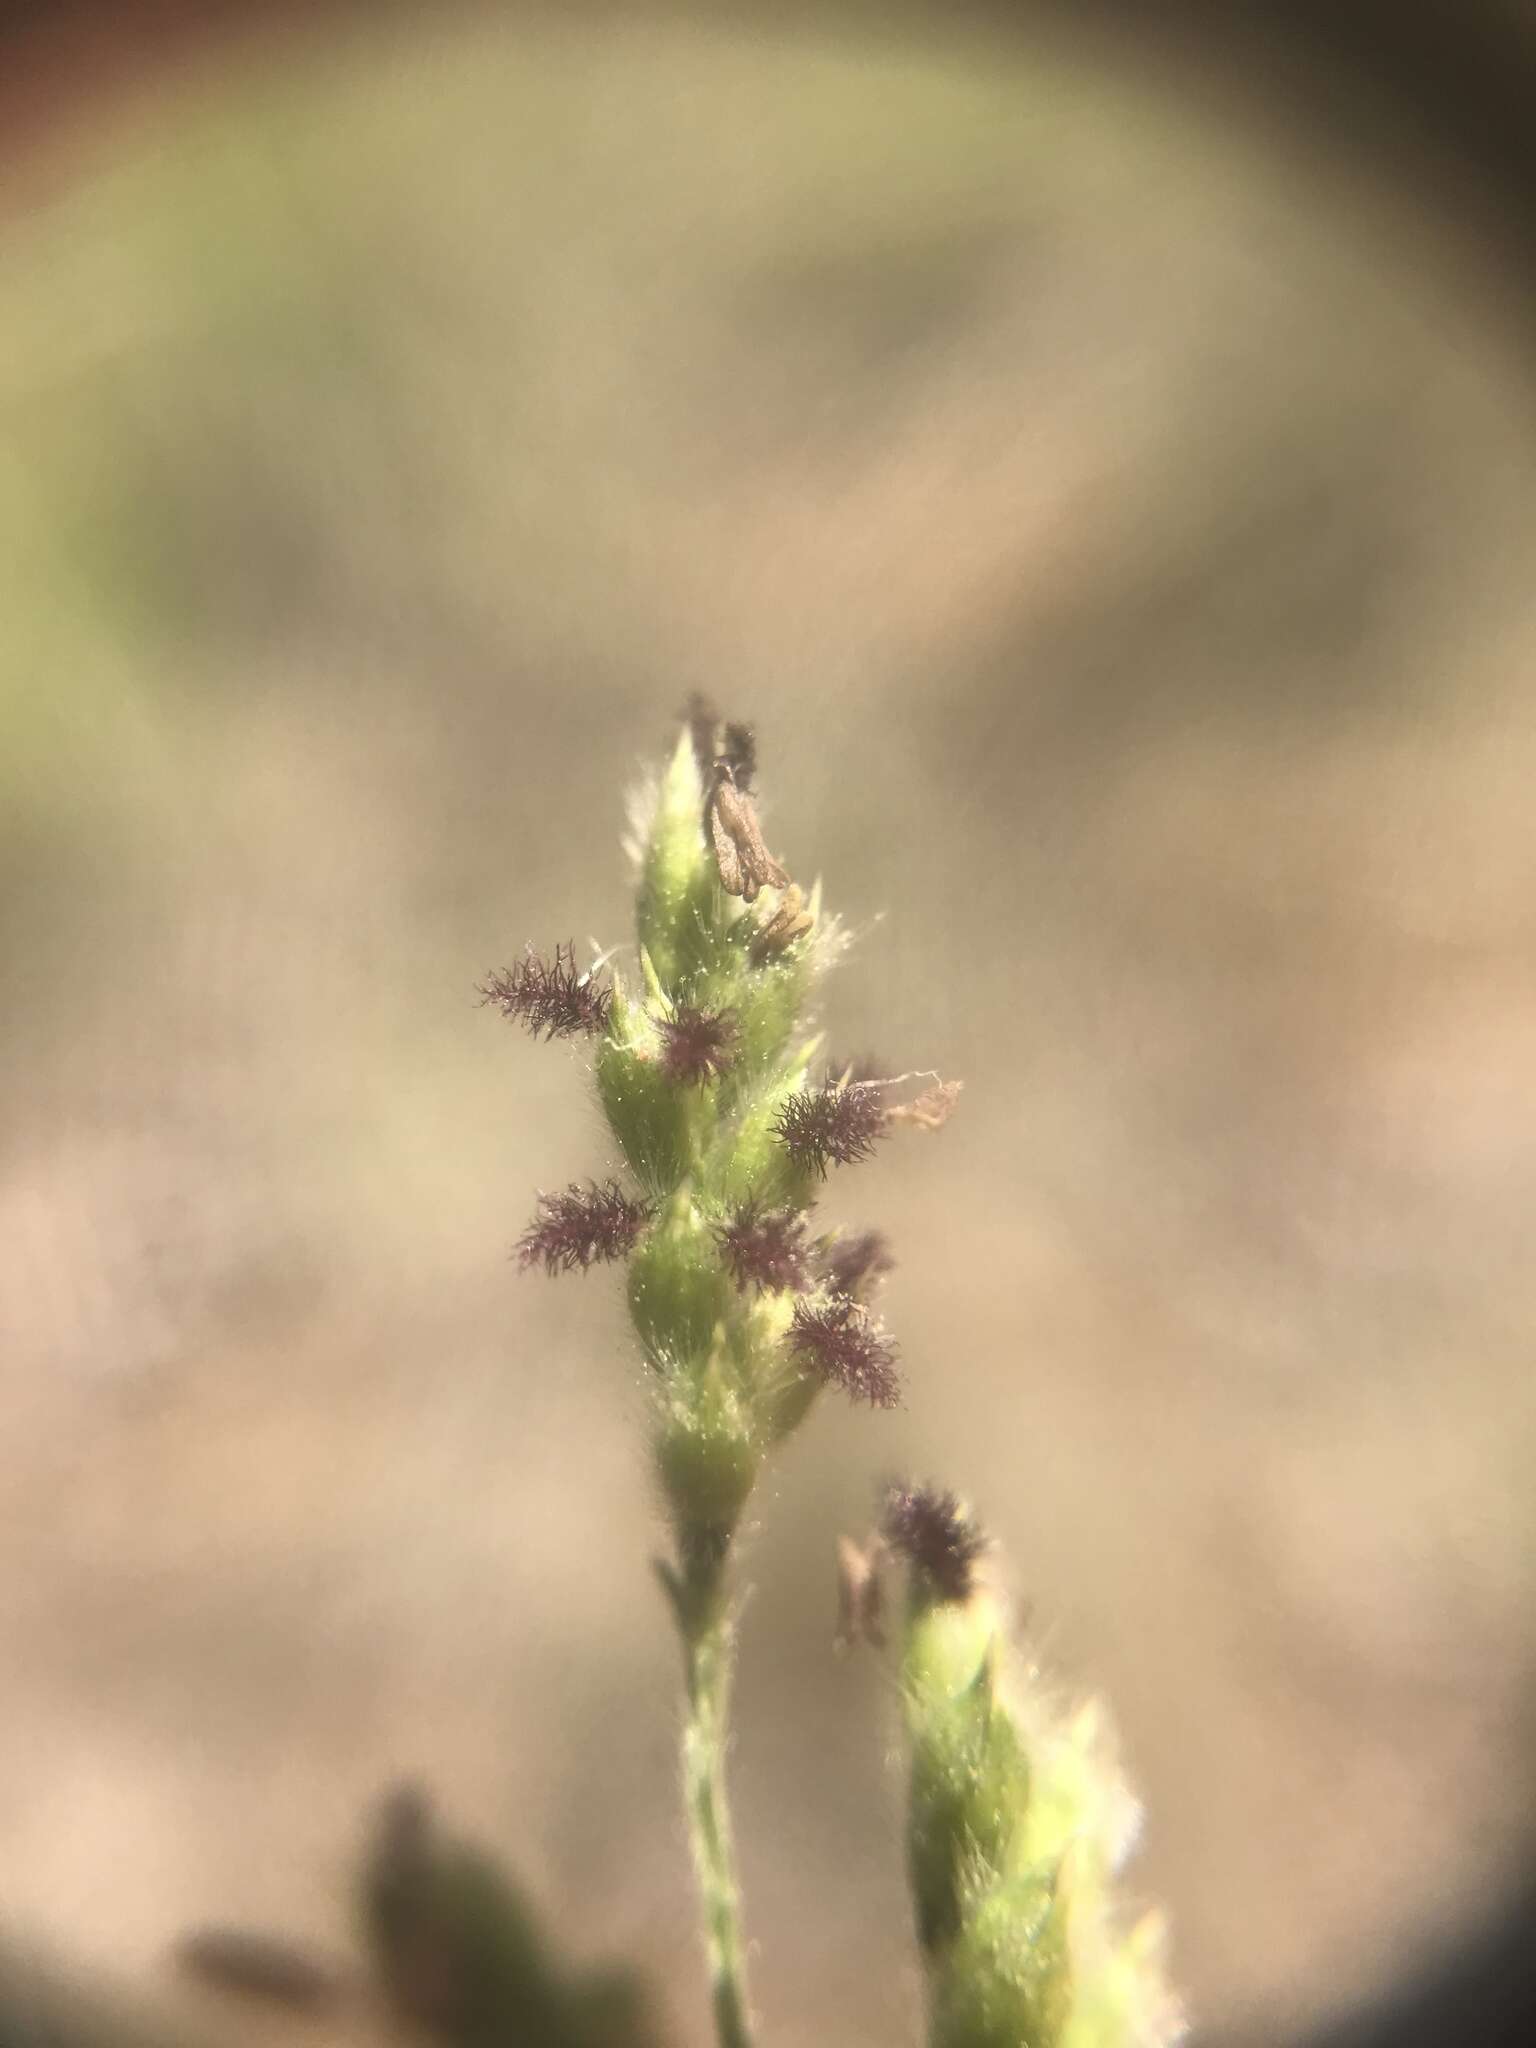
x=701, y=1150
x=1018, y=1822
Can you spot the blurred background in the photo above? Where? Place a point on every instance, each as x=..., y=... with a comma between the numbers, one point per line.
x=1095, y=448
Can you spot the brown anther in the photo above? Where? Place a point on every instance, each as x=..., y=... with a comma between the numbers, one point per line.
x=788, y=923
x=730, y=818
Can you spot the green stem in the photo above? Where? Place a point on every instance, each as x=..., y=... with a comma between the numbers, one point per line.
x=709, y=1652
